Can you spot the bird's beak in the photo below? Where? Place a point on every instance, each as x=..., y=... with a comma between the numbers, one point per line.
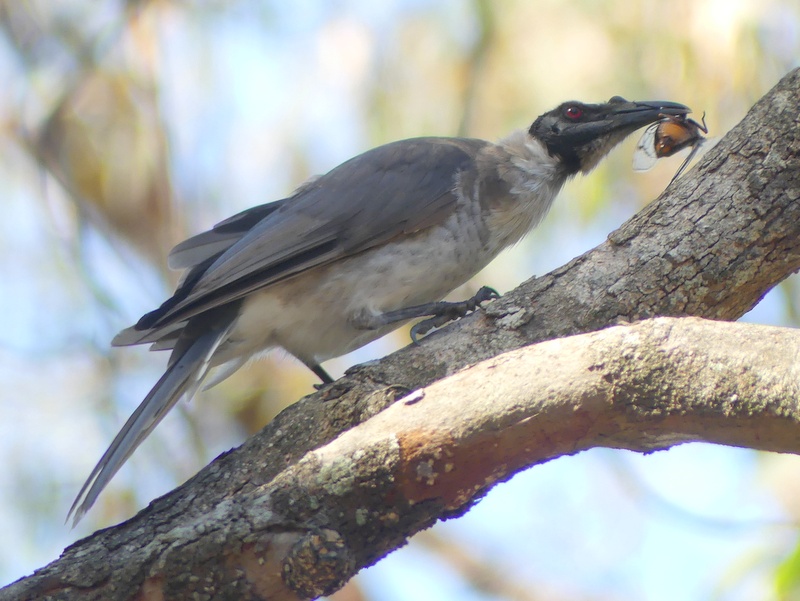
x=629, y=116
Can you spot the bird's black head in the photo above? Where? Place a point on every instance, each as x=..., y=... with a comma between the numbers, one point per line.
x=579, y=134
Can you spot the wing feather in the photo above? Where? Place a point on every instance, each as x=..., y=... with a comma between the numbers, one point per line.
x=393, y=189
x=220, y=238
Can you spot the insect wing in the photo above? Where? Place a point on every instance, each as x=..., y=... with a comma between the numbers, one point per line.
x=699, y=148
x=695, y=147
x=644, y=157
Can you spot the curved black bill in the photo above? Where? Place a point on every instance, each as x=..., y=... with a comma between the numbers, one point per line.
x=626, y=113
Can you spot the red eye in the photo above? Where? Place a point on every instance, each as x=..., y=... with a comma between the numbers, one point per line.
x=573, y=112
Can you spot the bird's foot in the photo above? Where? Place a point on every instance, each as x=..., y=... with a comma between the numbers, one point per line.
x=446, y=312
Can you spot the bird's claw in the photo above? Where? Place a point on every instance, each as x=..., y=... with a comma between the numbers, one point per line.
x=426, y=325
x=484, y=294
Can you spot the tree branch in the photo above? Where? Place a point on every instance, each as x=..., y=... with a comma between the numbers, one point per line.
x=273, y=516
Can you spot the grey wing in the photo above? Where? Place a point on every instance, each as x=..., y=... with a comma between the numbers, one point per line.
x=225, y=234
x=220, y=238
x=398, y=188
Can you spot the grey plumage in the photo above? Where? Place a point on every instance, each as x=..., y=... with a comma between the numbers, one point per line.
x=334, y=266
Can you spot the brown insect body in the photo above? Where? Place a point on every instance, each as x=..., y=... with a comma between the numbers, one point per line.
x=673, y=135
x=668, y=136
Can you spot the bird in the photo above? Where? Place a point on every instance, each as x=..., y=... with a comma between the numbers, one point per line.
x=357, y=252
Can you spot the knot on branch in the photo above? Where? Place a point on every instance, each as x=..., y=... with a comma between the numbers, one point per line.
x=318, y=564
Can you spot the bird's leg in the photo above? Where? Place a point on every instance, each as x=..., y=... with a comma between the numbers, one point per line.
x=320, y=373
x=438, y=313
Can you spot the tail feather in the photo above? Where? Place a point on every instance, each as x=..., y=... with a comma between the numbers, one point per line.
x=182, y=378
x=225, y=371
x=131, y=336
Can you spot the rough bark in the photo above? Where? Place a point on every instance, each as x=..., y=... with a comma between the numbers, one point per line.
x=272, y=519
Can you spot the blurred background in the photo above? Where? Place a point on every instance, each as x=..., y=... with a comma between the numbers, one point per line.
x=127, y=126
